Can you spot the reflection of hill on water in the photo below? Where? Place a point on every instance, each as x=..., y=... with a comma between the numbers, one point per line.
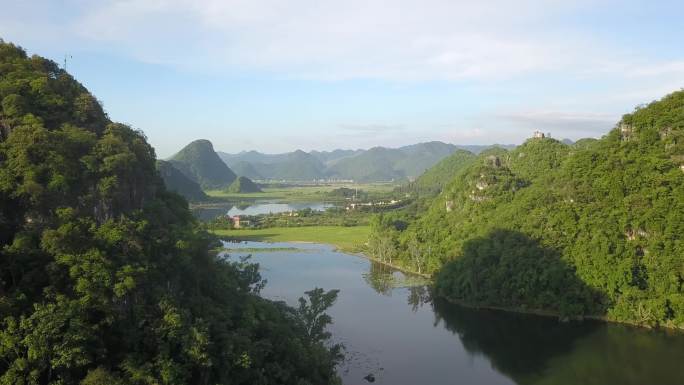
x=383, y=279
x=541, y=350
x=208, y=213
x=518, y=345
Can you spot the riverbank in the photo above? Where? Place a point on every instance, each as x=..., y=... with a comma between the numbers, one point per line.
x=560, y=317
x=302, y=193
x=403, y=269
x=350, y=239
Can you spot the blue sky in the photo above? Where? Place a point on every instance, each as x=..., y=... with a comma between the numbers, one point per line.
x=275, y=75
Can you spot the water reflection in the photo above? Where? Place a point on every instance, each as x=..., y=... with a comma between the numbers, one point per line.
x=258, y=208
x=394, y=331
x=381, y=278
x=384, y=279
x=209, y=212
x=418, y=296
x=540, y=350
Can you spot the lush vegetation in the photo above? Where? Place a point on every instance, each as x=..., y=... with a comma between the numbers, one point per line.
x=380, y=163
x=177, y=182
x=242, y=185
x=345, y=238
x=432, y=181
x=105, y=277
x=199, y=162
x=333, y=216
x=592, y=228
x=348, y=193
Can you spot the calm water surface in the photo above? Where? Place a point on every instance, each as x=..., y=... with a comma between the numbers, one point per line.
x=275, y=208
x=403, y=337
x=255, y=208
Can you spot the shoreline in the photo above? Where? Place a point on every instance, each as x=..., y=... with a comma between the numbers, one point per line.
x=537, y=312
x=560, y=318
x=396, y=267
x=344, y=250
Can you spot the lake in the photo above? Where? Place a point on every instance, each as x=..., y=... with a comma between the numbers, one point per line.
x=207, y=213
x=402, y=337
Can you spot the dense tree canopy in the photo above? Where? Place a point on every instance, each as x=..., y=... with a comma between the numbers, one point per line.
x=176, y=181
x=432, y=181
x=105, y=277
x=605, y=214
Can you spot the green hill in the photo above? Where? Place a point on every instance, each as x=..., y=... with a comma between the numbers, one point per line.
x=105, y=277
x=297, y=165
x=243, y=185
x=330, y=157
x=418, y=158
x=592, y=228
x=199, y=162
x=432, y=181
x=376, y=164
x=244, y=168
x=382, y=164
x=177, y=181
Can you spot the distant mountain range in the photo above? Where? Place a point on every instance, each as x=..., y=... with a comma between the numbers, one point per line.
x=375, y=164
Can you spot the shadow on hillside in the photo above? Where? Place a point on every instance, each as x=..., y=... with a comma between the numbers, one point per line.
x=506, y=268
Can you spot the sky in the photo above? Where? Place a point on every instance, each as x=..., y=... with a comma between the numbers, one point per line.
x=276, y=75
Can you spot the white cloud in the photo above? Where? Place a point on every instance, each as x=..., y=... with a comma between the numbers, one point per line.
x=396, y=40
x=534, y=56
x=393, y=40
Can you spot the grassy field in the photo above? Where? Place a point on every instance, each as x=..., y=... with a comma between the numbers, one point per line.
x=301, y=193
x=349, y=239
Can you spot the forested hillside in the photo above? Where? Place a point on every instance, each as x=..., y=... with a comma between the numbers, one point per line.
x=432, y=181
x=176, y=181
x=593, y=228
x=199, y=162
x=105, y=277
x=296, y=165
x=376, y=164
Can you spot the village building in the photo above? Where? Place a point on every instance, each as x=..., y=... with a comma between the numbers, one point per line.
x=239, y=223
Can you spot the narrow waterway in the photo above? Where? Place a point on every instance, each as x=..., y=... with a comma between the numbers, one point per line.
x=257, y=207
x=393, y=331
